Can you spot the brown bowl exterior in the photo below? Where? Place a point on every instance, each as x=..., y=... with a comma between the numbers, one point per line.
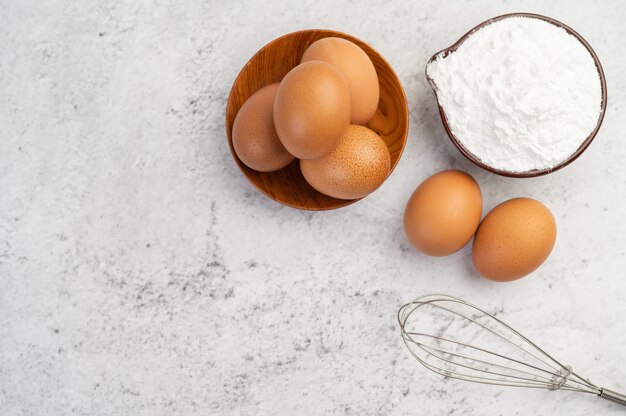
x=533, y=173
x=271, y=64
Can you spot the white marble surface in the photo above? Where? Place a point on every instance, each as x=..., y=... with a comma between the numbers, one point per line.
x=140, y=274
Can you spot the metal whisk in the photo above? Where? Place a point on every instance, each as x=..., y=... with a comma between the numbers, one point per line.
x=491, y=351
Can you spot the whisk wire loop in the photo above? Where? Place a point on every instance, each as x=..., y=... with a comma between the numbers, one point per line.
x=523, y=364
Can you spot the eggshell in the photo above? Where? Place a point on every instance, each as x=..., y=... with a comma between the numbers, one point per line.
x=514, y=239
x=255, y=139
x=354, y=169
x=358, y=70
x=312, y=109
x=443, y=213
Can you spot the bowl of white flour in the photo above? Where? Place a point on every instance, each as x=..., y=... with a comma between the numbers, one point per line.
x=520, y=95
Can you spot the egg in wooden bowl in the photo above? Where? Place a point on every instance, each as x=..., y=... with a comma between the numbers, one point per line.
x=270, y=65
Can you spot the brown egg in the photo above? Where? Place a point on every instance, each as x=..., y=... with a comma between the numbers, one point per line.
x=514, y=239
x=355, y=168
x=358, y=70
x=312, y=109
x=443, y=213
x=254, y=137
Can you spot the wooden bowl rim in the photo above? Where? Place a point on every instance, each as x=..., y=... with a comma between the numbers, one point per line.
x=328, y=33
x=535, y=172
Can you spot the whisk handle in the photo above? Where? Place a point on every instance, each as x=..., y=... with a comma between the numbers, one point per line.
x=613, y=396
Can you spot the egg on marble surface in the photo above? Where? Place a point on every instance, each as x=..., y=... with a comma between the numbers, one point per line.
x=255, y=139
x=312, y=109
x=354, y=169
x=514, y=239
x=357, y=68
x=443, y=213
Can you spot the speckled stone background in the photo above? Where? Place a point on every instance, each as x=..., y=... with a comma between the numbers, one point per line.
x=140, y=274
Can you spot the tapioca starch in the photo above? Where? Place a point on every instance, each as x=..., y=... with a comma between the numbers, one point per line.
x=520, y=93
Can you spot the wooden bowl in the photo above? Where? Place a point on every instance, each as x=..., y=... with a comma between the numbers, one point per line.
x=537, y=172
x=271, y=64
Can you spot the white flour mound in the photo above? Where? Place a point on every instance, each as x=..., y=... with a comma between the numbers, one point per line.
x=520, y=93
